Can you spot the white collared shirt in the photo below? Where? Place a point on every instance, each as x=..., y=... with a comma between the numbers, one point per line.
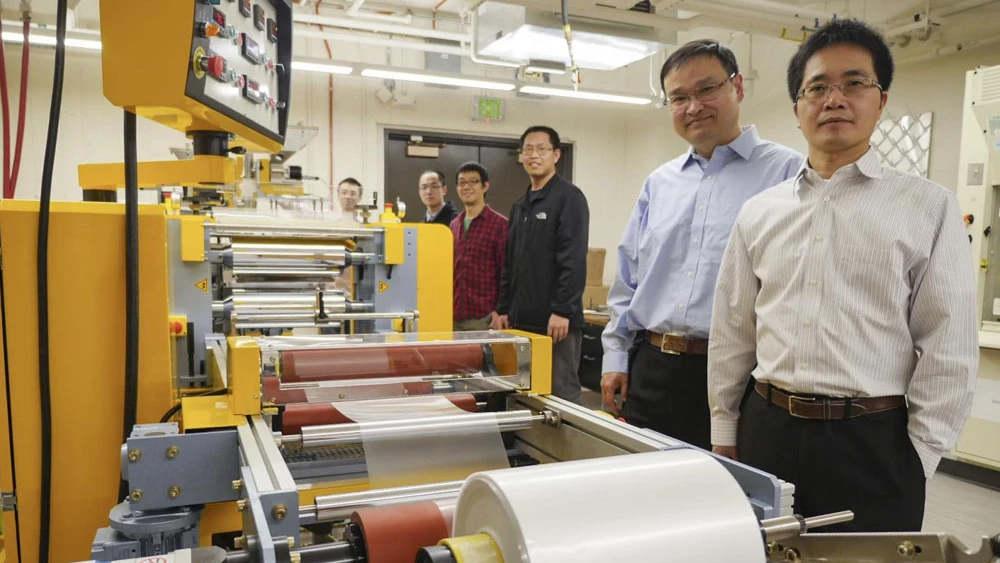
x=858, y=286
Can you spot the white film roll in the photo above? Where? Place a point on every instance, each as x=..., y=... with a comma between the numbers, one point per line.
x=680, y=506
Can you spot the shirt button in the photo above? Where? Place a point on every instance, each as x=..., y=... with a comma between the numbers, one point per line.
x=804, y=365
x=709, y=177
x=680, y=305
x=690, y=274
x=819, y=239
x=701, y=207
x=826, y=198
x=812, y=282
x=696, y=240
x=809, y=322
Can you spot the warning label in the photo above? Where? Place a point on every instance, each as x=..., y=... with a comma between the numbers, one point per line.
x=382, y=286
x=202, y=285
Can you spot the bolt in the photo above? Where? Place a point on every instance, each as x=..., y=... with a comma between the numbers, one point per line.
x=773, y=547
x=238, y=485
x=291, y=542
x=342, y=395
x=174, y=491
x=134, y=455
x=294, y=558
x=239, y=542
x=279, y=512
x=906, y=549
x=792, y=555
x=172, y=452
x=136, y=495
x=241, y=504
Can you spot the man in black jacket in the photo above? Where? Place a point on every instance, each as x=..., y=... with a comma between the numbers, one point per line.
x=432, y=191
x=546, y=263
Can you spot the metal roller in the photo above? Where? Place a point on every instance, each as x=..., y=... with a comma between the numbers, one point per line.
x=299, y=415
x=380, y=362
x=340, y=434
x=340, y=507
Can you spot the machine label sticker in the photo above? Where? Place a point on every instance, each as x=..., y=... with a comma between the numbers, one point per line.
x=202, y=285
x=986, y=404
x=382, y=286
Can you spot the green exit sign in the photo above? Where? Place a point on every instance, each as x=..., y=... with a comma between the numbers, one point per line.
x=490, y=109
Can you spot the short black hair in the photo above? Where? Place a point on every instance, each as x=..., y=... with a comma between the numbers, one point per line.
x=440, y=176
x=840, y=32
x=351, y=181
x=473, y=166
x=700, y=48
x=553, y=136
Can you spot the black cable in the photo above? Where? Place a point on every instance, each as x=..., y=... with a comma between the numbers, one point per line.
x=131, y=411
x=177, y=408
x=48, y=166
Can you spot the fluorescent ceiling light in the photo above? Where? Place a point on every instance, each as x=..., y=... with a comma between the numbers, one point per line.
x=436, y=79
x=50, y=40
x=321, y=67
x=584, y=95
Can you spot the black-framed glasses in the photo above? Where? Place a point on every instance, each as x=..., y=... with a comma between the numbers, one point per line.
x=850, y=88
x=706, y=93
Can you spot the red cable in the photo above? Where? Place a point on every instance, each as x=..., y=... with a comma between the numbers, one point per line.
x=6, y=121
x=21, y=110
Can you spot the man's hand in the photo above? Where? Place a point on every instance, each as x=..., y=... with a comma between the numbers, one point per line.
x=558, y=328
x=611, y=382
x=499, y=322
x=726, y=451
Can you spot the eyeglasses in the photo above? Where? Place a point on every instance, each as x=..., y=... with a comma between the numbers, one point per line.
x=540, y=151
x=468, y=183
x=429, y=187
x=706, y=93
x=850, y=88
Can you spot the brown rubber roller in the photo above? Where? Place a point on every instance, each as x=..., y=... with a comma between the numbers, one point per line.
x=394, y=534
x=381, y=361
x=298, y=415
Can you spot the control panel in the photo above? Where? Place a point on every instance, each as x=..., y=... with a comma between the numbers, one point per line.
x=236, y=63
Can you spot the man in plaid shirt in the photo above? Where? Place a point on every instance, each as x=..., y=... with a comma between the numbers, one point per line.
x=480, y=241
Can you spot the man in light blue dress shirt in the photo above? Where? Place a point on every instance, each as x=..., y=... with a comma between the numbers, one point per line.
x=656, y=343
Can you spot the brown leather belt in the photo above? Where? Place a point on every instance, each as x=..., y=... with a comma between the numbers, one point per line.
x=677, y=344
x=816, y=408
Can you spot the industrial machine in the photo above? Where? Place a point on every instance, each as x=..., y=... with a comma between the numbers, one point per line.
x=979, y=195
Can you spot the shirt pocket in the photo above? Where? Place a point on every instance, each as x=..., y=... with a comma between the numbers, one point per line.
x=869, y=278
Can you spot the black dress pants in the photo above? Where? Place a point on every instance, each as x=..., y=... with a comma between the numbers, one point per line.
x=865, y=464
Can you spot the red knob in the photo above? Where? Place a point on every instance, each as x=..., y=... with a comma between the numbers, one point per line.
x=216, y=66
x=176, y=327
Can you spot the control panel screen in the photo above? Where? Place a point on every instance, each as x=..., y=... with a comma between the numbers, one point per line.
x=251, y=90
x=219, y=16
x=258, y=16
x=245, y=7
x=272, y=31
x=251, y=51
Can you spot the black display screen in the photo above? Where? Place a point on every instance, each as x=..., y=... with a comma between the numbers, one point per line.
x=219, y=16
x=272, y=30
x=245, y=7
x=251, y=51
x=258, y=16
x=252, y=92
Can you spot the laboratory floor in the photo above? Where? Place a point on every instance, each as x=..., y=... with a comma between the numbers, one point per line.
x=965, y=510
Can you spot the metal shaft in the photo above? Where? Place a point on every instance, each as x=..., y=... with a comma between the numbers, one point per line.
x=289, y=231
x=340, y=507
x=339, y=434
x=790, y=526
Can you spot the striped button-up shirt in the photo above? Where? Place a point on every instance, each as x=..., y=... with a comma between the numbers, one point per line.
x=857, y=286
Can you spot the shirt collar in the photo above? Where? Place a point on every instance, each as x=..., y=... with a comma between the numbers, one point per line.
x=868, y=165
x=743, y=145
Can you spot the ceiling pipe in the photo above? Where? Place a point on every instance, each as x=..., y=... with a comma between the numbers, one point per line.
x=949, y=50
x=378, y=27
x=475, y=41
x=332, y=35
x=355, y=8
x=776, y=8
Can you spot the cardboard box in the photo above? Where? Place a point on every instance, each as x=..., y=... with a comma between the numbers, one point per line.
x=595, y=296
x=595, y=266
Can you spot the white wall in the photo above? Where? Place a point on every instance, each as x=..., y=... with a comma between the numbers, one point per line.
x=617, y=146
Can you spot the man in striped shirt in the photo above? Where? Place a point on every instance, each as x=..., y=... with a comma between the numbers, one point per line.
x=848, y=294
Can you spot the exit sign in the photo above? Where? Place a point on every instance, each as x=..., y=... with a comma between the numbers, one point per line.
x=489, y=109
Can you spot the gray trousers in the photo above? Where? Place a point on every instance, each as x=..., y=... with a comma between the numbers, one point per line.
x=566, y=365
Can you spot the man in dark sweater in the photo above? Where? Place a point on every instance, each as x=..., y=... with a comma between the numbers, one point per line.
x=432, y=191
x=546, y=260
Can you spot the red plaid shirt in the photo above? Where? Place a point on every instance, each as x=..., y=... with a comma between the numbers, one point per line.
x=479, y=259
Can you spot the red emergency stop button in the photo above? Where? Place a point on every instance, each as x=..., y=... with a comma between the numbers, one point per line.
x=176, y=327
x=216, y=66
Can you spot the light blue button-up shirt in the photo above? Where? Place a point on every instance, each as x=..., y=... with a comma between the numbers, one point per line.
x=668, y=260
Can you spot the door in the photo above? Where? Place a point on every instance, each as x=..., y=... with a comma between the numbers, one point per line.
x=508, y=179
